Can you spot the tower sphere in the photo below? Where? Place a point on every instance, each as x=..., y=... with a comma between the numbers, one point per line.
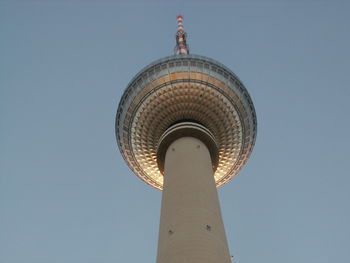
x=193, y=92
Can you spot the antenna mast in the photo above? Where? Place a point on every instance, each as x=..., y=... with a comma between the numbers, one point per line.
x=181, y=45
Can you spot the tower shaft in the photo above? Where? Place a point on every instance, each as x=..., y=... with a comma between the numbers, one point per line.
x=191, y=226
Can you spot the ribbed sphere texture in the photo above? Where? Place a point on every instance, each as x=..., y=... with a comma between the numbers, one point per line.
x=185, y=88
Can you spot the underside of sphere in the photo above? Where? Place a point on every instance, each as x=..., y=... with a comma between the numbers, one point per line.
x=185, y=88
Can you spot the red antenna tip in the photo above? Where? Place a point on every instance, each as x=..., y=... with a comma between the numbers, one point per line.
x=181, y=45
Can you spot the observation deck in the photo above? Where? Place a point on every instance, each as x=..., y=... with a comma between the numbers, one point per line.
x=185, y=89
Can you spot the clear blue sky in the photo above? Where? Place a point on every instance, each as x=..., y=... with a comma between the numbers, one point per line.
x=66, y=196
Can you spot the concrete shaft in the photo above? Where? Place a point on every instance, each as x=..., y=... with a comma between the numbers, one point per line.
x=191, y=227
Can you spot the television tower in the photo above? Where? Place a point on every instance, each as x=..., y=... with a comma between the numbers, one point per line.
x=186, y=125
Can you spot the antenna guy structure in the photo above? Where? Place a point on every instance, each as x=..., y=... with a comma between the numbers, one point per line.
x=186, y=125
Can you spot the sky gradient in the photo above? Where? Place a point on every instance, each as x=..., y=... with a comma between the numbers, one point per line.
x=66, y=195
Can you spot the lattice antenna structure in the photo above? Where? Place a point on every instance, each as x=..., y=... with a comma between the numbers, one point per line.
x=181, y=45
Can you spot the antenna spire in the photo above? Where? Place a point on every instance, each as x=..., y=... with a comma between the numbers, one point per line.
x=181, y=45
